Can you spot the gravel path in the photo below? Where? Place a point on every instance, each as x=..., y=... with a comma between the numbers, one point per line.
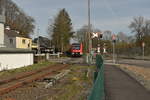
x=141, y=74
x=120, y=86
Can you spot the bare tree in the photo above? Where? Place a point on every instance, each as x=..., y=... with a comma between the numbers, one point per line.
x=140, y=27
x=122, y=37
x=146, y=28
x=16, y=18
x=107, y=35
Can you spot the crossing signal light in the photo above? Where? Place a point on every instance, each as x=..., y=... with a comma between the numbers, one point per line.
x=114, y=38
x=100, y=35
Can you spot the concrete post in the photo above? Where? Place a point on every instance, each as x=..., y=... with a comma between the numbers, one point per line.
x=47, y=56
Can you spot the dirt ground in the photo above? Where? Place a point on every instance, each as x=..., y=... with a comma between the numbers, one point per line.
x=73, y=86
x=141, y=74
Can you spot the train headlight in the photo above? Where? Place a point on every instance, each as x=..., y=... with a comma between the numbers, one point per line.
x=72, y=53
x=81, y=53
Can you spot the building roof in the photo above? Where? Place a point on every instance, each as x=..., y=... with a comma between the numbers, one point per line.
x=14, y=50
x=13, y=33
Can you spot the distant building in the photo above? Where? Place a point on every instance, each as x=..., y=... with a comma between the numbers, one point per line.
x=12, y=39
x=34, y=45
x=41, y=44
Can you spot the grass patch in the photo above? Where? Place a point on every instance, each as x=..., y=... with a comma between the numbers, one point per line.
x=75, y=86
x=25, y=68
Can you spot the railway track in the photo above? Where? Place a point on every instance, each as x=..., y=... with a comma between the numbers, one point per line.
x=10, y=84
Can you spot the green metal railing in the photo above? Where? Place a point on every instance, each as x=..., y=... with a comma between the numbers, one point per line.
x=97, y=92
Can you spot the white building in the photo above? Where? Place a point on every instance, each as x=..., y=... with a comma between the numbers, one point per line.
x=11, y=58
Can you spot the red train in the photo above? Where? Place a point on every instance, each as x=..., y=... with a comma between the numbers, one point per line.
x=77, y=49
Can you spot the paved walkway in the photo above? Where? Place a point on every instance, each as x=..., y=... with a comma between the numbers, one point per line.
x=120, y=86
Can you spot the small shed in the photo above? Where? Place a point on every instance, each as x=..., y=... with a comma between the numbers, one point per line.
x=11, y=58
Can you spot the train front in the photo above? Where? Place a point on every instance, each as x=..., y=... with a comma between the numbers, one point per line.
x=76, y=49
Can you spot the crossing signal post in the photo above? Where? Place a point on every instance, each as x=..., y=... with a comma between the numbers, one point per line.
x=114, y=41
x=100, y=35
x=104, y=49
x=98, y=49
x=97, y=35
x=143, y=47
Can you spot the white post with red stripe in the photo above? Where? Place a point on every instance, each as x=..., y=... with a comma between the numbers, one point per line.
x=114, y=39
x=143, y=46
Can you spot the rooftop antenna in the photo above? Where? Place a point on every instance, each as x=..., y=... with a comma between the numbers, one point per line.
x=3, y=8
x=38, y=40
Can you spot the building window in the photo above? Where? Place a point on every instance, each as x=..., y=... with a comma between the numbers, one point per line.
x=23, y=41
x=28, y=45
x=11, y=41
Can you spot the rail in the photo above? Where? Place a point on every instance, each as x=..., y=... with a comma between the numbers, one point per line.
x=9, y=85
x=97, y=92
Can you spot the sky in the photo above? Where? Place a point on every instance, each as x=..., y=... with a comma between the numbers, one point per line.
x=114, y=15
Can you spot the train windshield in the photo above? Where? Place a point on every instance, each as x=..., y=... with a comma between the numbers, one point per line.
x=76, y=47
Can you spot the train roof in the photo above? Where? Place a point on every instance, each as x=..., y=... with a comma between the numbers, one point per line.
x=75, y=43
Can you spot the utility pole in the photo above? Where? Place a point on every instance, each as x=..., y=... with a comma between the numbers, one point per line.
x=89, y=27
x=89, y=34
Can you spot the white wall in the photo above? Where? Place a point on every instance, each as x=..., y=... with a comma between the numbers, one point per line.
x=1, y=34
x=15, y=60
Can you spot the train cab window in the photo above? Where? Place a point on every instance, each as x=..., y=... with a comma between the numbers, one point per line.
x=76, y=48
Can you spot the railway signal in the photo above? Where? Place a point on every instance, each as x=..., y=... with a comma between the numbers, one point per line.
x=98, y=48
x=94, y=35
x=104, y=49
x=97, y=35
x=114, y=38
x=143, y=46
x=100, y=35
